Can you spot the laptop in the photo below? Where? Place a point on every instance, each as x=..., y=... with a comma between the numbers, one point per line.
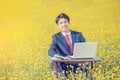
x=84, y=50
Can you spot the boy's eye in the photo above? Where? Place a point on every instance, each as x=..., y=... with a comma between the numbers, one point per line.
x=61, y=22
x=65, y=21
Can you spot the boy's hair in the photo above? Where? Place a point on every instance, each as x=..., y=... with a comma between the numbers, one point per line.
x=62, y=15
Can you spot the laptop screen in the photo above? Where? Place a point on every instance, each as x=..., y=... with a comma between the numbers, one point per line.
x=85, y=50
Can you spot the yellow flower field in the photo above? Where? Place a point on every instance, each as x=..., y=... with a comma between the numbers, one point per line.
x=26, y=27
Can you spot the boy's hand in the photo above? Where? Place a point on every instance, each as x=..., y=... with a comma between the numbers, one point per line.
x=57, y=56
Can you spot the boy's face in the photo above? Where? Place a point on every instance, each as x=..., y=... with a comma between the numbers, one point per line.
x=63, y=24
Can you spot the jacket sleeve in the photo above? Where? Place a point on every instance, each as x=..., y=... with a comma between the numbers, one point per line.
x=53, y=47
x=82, y=39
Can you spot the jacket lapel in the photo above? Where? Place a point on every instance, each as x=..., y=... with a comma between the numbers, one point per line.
x=64, y=41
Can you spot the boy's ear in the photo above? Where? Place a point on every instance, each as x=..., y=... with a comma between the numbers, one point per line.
x=57, y=26
x=69, y=22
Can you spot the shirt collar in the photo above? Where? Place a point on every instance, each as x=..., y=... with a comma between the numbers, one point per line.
x=69, y=33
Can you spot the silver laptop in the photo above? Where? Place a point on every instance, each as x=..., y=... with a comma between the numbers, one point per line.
x=84, y=50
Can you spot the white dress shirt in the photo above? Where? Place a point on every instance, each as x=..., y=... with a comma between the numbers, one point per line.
x=69, y=36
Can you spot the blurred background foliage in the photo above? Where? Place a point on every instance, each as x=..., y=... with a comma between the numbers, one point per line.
x=26, y=27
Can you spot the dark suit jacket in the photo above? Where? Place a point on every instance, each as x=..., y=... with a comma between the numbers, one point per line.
x=59, y=44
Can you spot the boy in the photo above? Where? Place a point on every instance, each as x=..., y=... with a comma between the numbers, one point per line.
x=63, y=41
